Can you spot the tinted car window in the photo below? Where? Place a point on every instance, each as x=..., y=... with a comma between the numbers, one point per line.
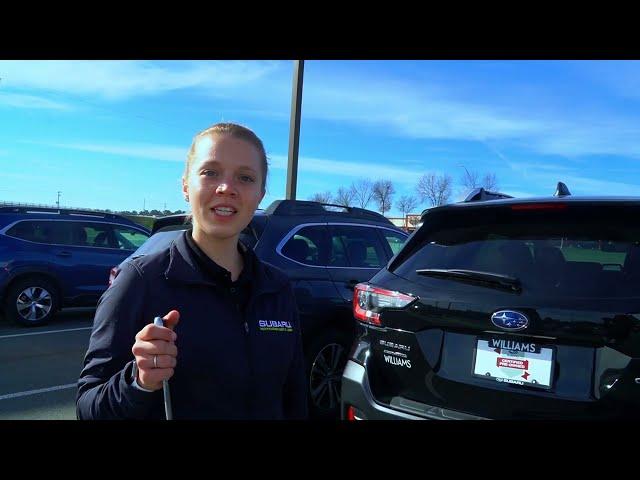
x=128, y=238
x=307, y=246
x=394, y=239
x=358, y=245
x=98, y=235
x=25, y=231
x=573, y=253
x=35, y=231
x=92, y=235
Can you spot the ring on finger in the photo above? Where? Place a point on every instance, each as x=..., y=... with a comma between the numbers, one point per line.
x=155, y=361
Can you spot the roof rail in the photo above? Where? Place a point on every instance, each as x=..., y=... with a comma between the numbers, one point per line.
x=562, y=190
x=307, y=207
x=480, y=195
x=18, y=208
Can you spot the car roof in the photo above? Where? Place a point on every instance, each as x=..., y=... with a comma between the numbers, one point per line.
x=14, y=213
x=293, y=208
x=576, y=200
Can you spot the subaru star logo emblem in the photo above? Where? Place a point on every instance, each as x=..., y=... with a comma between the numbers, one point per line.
x=509, y=320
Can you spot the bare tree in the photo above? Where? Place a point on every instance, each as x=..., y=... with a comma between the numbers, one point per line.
x=345, y=196
x=405, y=205
x=436, y=189
x=363, y=192
x=382, y=193
x=471, y=180
x=322, y=197
x=489, y=182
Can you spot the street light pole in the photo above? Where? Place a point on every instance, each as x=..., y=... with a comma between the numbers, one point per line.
x=58, y=201
x=465, y=169
x=294, y=129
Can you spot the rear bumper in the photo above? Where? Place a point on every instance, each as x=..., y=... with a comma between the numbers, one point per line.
x=357, y=393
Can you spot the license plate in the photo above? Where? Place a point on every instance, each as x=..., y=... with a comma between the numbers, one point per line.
x=514, y=362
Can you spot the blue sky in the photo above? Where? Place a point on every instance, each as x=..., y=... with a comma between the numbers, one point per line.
x=114, y=134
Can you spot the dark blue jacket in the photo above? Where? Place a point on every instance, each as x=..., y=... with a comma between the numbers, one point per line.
x=230, y=365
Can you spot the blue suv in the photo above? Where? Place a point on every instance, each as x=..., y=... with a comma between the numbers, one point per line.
x=52, y=258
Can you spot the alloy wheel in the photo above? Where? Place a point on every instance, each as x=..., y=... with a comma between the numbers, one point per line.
x=326, y=375
x=34, y=303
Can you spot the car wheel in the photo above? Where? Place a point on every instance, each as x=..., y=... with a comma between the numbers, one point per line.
x=326, y=359
x=32, y=301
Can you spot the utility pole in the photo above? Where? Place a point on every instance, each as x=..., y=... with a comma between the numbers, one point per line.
x=294, y=129
x=144, y=204
x=465, y=169
x=58, y=201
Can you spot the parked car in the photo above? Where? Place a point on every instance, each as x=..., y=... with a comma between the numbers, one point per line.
x=52, y=258
x=325, y=250
x=504, y=309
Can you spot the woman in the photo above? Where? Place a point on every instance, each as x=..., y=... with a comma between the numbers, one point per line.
x=213, y=294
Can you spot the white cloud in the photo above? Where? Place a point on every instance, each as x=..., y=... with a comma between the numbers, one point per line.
x=417, y=111
x=349, y=169
x=139, y=150
x=538, y=166
x=612, y=136
x=402, y=108
x=389, y=106
x=126, y=79
x=31, y=101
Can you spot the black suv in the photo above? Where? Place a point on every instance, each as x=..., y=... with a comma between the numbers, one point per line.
x=325, y=250
x=52, y=258
x=504, y=309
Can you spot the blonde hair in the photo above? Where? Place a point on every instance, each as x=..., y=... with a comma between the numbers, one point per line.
x=235, y=131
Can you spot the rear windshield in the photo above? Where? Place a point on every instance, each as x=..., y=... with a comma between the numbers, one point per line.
x=578, y=252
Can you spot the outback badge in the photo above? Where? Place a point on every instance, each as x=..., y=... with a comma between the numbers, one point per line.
x=510, y=320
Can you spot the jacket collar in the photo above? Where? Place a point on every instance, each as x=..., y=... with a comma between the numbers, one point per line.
x=183, y=268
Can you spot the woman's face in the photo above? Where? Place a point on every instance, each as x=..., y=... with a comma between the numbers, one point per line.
x=224, y=185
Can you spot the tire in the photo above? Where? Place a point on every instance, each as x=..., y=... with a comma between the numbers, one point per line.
x=326, y=357
x=31, y=301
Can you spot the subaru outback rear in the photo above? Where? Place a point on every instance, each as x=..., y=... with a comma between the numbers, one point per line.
x=504, y=309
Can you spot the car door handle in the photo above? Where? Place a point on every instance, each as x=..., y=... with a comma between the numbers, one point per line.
x=63, y=254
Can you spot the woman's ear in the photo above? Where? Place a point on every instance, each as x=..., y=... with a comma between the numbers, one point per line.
x=185, y=189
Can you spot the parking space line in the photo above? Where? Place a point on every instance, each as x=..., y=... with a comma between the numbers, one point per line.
x=40, y=390
x=43, y=333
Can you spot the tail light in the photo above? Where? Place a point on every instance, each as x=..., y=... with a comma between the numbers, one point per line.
x=354, y=414
x=113, y=273
x=369, y=301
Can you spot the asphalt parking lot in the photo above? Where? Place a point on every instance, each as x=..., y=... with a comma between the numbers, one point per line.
x=40, y=366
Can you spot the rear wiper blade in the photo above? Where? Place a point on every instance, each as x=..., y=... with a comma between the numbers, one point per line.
x=487, y=279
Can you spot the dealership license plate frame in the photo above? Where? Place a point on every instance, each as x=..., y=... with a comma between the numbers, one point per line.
x=487, y=354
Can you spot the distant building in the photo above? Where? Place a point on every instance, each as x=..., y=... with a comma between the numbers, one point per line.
x=408, y=223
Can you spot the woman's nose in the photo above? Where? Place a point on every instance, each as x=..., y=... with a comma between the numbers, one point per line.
x=226, y=187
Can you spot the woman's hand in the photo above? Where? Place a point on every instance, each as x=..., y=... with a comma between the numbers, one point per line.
x=155, y=351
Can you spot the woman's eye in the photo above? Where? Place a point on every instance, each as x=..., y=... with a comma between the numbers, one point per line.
x=247, y=179
x=209, y=173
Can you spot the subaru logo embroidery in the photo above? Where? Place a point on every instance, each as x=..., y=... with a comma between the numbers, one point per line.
x=509, y=320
